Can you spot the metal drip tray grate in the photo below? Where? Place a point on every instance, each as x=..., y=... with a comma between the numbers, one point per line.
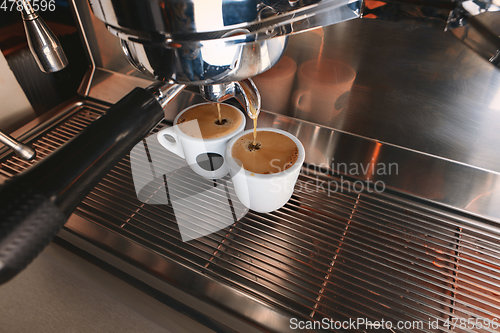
x=340, y=255
x=74, y=121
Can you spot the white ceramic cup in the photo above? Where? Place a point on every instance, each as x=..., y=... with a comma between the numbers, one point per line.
x=264, y=193
x=204, y=156
x=323, y=89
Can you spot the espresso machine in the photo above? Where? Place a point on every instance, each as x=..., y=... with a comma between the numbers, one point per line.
x=149, y=59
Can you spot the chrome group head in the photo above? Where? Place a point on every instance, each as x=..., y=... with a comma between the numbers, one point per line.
x=201, y=42
x=214, y=43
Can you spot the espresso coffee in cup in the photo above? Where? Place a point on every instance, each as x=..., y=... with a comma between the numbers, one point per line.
x=272, y=153
x=200, y=137
x=209, y=124
x=264, y=175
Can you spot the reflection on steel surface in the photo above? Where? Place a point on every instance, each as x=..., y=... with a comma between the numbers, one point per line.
x=280, y=76
x=323, y=84
x=185, y=21
x=204, y=42
x=472, y=21
x=207, y=64
x=44, y=45
x=476, y=35
x=431, y=93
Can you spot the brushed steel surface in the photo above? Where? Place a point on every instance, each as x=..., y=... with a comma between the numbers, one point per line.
x=339, y=255
x=110, y=87
x=475, y=23
x=415, y=87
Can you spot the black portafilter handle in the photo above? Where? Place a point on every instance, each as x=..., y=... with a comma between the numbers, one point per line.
x=36, y=203
x=28, y=222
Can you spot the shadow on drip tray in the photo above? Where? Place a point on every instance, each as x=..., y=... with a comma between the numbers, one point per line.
x=200, y=206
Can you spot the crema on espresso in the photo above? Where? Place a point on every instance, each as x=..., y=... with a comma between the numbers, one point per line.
x=273, y=153
x=209, y=125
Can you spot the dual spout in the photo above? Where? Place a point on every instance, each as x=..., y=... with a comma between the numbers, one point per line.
x=244, y=91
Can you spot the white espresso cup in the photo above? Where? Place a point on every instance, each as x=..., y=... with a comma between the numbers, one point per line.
x=264, y=193
x=204, y=156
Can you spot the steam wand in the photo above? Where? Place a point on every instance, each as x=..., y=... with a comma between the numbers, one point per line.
x=23, y=151
x=42, y=42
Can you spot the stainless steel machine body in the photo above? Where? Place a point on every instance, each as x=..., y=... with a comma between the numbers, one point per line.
x=421, y=103
x=205, y=42
x=220, y=42
x=214, y=43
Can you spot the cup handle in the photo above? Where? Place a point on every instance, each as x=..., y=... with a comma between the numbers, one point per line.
x=176, y=146
x=301, y=98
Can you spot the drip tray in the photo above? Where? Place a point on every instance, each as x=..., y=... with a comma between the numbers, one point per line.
x=327, y=256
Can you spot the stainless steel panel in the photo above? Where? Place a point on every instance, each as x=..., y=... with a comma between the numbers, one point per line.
x=104, y=49
x=416, y=87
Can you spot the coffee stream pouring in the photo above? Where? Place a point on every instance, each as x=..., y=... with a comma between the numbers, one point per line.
x=245, y=91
